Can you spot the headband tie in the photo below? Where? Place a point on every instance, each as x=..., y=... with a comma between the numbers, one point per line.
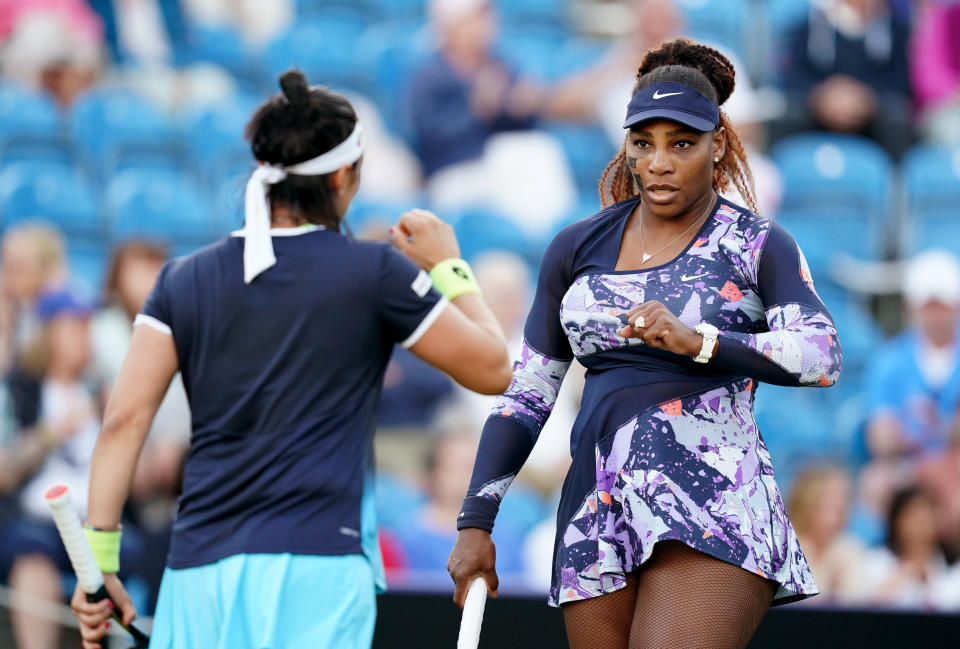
x=258, y=253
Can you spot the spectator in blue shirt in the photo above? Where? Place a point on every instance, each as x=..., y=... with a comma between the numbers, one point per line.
x=847, y=72
x=464, y=94
x=915, y=384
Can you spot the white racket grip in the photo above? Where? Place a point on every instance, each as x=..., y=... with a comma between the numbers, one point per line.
x=74, y=540
x=472, y=615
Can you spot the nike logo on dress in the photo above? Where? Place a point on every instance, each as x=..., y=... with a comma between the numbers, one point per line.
x=687, y=278
x=657, y=95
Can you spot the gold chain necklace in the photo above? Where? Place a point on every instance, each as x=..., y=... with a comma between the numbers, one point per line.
x=647, y=257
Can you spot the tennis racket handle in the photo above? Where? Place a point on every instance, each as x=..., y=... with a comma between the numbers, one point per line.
x=472, y=615
x=140, y=638
x=71, y=533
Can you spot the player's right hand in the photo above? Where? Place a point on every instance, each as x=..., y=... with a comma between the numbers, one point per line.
x=474, y=555
x=94, y=617
x=425, y=238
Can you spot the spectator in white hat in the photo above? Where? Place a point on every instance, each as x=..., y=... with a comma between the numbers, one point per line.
x=913, y=387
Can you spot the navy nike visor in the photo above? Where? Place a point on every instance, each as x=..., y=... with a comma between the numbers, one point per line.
x=673, y=101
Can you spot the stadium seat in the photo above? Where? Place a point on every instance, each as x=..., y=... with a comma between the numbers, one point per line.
x=825, y=232
x=535, y=52
x=226, y=47
x=827, y=171
x=214, y=136
x=30, y=126
x=408, y=11
x=159, y=203
x=52, y=191
x=88, y=260
x=479, y=230
x=588, y=150
x=115, y=128
x=931, y=179
x=388, y=56
x=27, y=113
x=521, y=14
x=719, y=22
x=324, y=47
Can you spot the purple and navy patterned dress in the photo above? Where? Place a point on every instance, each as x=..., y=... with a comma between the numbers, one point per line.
x=663, y=448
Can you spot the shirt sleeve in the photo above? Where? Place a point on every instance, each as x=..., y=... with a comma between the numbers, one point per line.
x=801, y=347
x=519, y=414
x=409, y=304
x=156, y=312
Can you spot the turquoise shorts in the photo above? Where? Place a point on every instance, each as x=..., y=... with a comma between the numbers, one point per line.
x=268, y=601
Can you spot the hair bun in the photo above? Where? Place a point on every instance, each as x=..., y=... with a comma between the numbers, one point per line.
x=295, y=88
x=682, y=51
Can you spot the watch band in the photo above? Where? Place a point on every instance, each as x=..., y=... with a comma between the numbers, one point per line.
x=710, y=334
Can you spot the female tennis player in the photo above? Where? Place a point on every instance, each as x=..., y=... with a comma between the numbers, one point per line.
x=282, y=333
x=671, y=529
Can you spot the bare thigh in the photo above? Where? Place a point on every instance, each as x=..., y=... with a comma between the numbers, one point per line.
x=689, y=599
x=602, y=622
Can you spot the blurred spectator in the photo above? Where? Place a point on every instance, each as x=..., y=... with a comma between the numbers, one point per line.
x=429, y=533
x=601, y=93
x=391, y=172
x=471, y=116
x=133, y=272
x=935, y=70
x=847, y=72
x=910, y=570
x=258, y=20
x=939, y=474
x=146, y=32
x=51, y=402
x=51, y=44
x=914, y=388
x=32, y=261
x=464, y=94
x=819, y=504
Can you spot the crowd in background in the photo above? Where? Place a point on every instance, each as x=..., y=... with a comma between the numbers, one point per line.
x=488, y=135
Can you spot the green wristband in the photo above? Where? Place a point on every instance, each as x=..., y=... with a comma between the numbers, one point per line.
x=106, y=548
x=453, y=278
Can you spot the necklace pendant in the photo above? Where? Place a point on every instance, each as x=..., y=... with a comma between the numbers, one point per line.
x=646, y=258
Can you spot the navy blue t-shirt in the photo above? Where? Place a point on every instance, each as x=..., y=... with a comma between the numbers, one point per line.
x=283, y=377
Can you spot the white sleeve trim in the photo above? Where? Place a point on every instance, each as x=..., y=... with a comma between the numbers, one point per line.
x=426, y=323
x=153, y=323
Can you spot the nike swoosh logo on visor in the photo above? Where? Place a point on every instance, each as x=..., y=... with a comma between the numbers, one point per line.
x=657, y=95
x=687, y=278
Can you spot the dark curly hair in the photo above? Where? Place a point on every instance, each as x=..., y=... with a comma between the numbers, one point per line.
x=302, y=123
x=710, y=73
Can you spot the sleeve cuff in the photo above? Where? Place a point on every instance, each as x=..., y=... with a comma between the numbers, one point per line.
x=477, y=512
x=153, y=323
x=425, y=324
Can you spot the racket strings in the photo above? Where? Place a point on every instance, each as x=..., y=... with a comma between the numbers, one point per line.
x=679, y=598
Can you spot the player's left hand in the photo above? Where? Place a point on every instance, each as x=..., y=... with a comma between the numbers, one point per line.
x=661, y=329
x=94, y=617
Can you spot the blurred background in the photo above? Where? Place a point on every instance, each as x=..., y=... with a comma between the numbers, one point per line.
x=121, y=126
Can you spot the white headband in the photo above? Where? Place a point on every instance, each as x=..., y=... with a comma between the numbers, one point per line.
x=258, y=246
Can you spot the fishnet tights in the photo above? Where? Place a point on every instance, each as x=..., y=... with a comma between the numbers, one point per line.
x=679, y=599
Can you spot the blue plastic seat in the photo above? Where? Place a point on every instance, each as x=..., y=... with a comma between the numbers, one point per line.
x=825, y=232
x=401, y=10
x=479, y=230
x=388, y=57
x=931, y=179
x=27, y=113
x=214, y=136
x=588, y=150
x=323, y=47
x=719, y=22
x=535, y=52
x=827, y=171
x=115, y=128
x=51, y=191
x=159, y=203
